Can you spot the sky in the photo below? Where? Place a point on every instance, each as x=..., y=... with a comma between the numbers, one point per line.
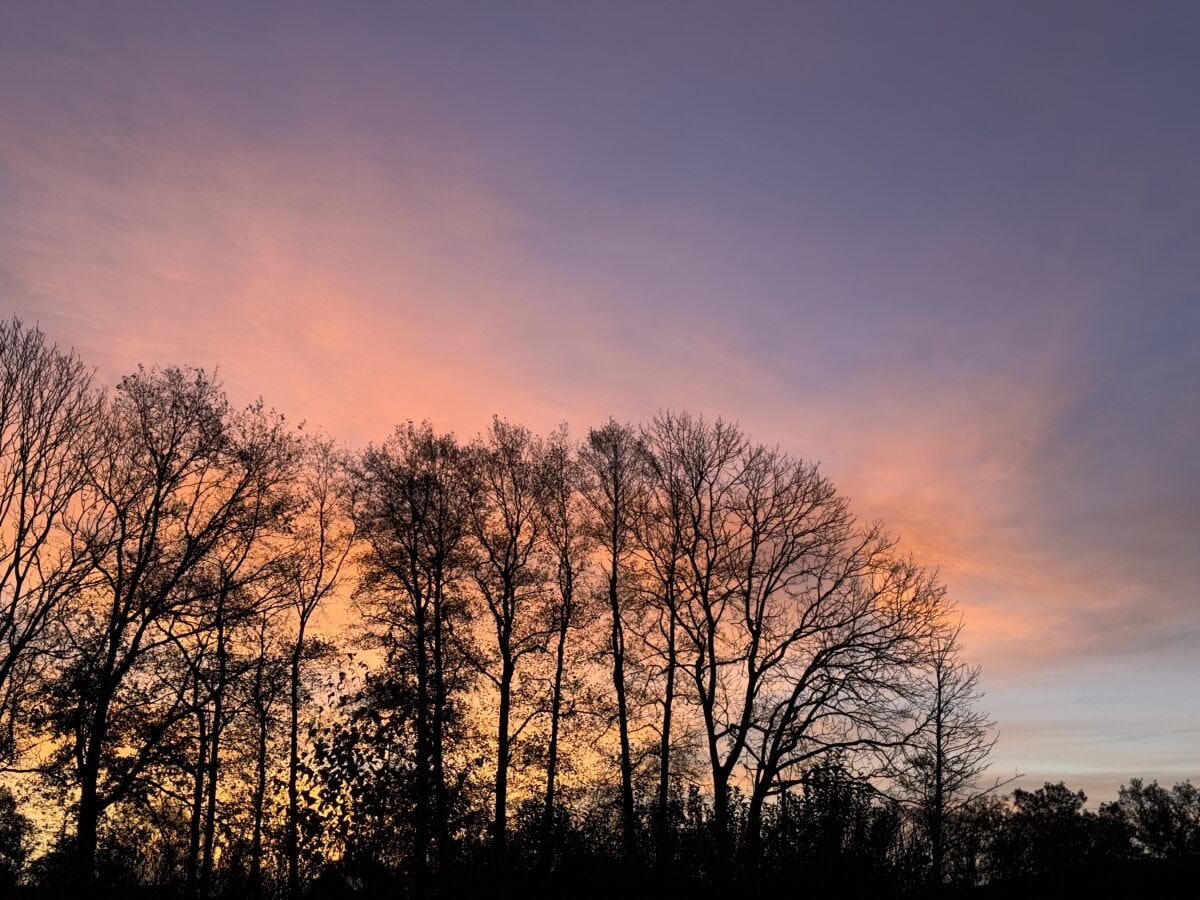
x=951, y=251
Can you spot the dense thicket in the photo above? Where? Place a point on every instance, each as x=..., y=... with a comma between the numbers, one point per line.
x=240, y=660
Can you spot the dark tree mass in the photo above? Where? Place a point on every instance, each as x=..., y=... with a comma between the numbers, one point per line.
x=241, y=660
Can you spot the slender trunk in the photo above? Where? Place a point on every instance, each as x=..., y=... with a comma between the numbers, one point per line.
x=210, y=814
x=260, y=784
x=720, y=774
x=88, y=819
x=421, y=726
x=724, y=848
x=705, y=677
x=938, y=790
x=552, y=750
x=197, y=813
x=214, y=756
x=662, y=810
x=618, y=675
x=293, y=791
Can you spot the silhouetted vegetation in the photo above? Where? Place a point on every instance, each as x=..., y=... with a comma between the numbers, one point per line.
x=240, y=660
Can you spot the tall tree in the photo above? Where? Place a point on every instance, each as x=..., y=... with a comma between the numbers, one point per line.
x=413, y=516
x=507, y=486
x=616, y=464
x=699, y=461
x=569, y=542
x=269, y=689
x=48, y=413
x=323, y=535
x=846, y=678
x=241, y=582
x=801, y=628
x=940, y=766
x=170, y=481
x=660, y=536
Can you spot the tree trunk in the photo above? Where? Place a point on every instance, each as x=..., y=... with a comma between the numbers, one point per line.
x=500, y=825
x=754, y=813
x=421, y=726
x=214, y=757
x=721, y=831
x=192, y=865
x=89, y=794
x=662, y=812
x=936, y=836
x=260, y=784
x=293, y=793
x=85, y=832
x=618, y=674
x=552, y=750
x=441, y=815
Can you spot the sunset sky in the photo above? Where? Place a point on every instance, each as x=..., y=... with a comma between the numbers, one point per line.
x=950, y=250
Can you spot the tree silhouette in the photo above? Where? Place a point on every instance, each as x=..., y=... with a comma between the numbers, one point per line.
x=323, y=537
x=616, y=466
x=941, y=764
x=414, y=519
x=48, y=415
x=506, y=482
x=545, y=662
x=172, y=478
x=570, y=540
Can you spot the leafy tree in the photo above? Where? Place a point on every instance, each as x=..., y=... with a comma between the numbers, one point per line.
x=1165, y=823
x=15, y=832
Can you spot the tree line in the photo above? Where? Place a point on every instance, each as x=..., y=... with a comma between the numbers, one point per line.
x=240, y=659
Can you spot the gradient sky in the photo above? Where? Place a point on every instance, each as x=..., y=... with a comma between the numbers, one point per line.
x=950, y=250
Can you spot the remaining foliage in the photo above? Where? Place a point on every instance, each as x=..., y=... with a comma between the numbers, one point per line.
x=1165, y=823
x=15, y=832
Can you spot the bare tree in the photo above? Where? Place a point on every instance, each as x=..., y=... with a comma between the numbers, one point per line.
x=844, y=678
x=242, y=584
x=660, y=538
x=164, y=561
x=268, y=690
x=941, y=766
x=616, y=464
x=48, y=410
x=699, y=461
x=323, y=535
x=800, y=628
x=569, y=541
x=507, y=488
